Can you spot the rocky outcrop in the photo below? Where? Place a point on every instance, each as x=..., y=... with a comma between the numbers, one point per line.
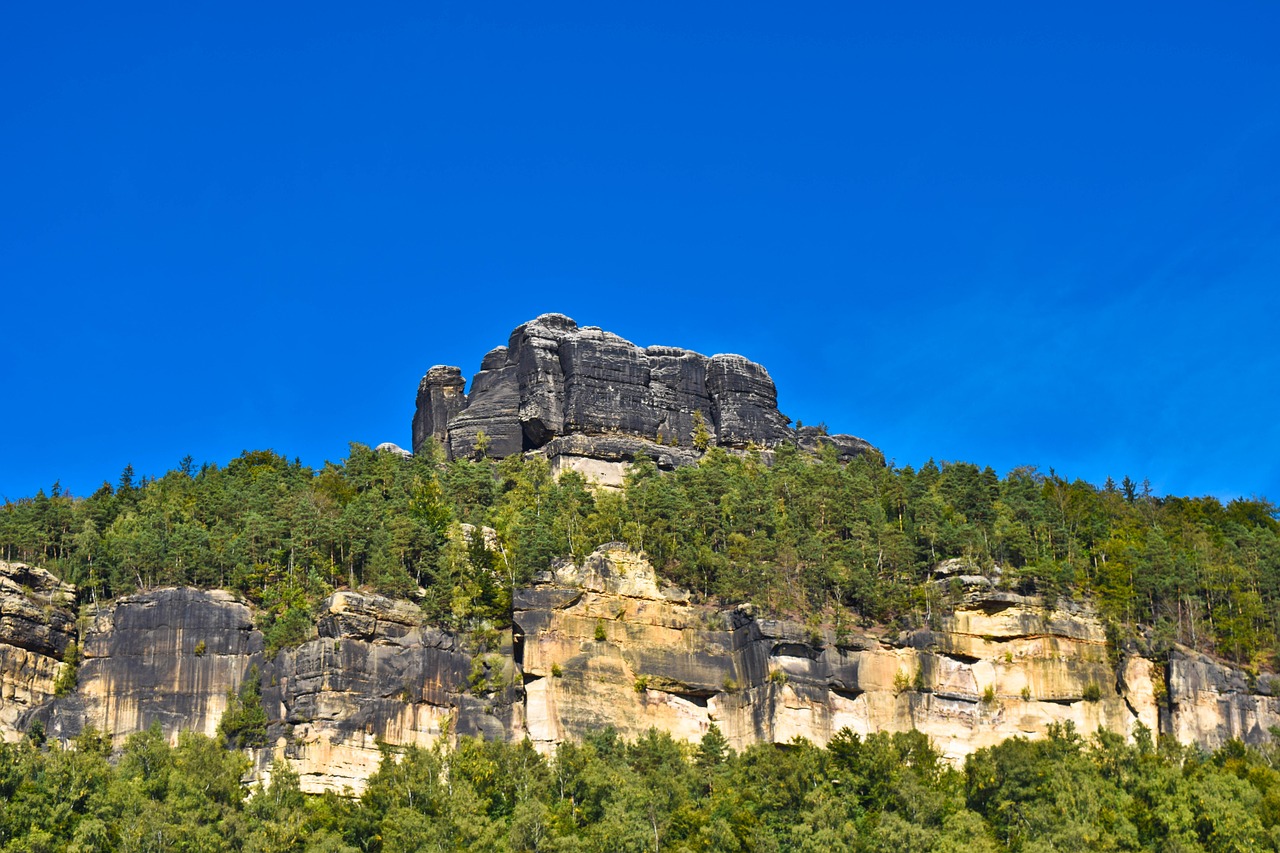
x=167, y=657
x=556, y=383
x=1213, y=703
x=603, y=644
x=440, y=398
x=376, y=674
x=36, y=626
x=595, y=643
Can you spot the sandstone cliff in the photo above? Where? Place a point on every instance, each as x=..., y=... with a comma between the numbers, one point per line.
x=593, y=401
x=600, y=643
x=36, y=625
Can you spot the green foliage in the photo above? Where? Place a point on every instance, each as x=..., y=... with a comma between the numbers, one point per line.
x=600, y=633
x=244, y=723
x=882, y=792
x=1092, y=692
x=69, y=676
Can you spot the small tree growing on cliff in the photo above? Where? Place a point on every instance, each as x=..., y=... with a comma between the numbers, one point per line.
x=701, y=435
x=245, y=722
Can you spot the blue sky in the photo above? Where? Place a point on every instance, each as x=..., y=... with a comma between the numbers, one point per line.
x=1005, y=234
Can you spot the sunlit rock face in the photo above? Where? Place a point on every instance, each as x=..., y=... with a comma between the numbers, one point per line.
x=598, y=642
x=604, y=644
x=36, y=625
x=1212, y=703
x=593, y=402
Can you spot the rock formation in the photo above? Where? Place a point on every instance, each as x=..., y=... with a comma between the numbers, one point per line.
x=593, y=401
x=36, y=626
x=600, y=643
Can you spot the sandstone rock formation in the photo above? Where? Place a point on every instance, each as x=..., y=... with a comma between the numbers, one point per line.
x=375, y=674
x=602, y=642
x=169, y=657
x=36, y=625
x=593, y=401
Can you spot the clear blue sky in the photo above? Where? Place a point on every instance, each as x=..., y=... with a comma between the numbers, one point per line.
x=1002, y=233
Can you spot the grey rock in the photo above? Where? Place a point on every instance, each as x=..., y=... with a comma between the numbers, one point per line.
x=744, y=403
x=620, y=448
x=493, y=411
x=555, y=380
x=847, y=447
x=440, y=397
x=36, y=610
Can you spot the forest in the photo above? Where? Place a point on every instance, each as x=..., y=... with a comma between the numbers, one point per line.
x=851, y=544
x=885, y=793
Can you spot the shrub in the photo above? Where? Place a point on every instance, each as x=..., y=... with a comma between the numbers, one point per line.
x=901, y=681
x=69, y=677
x=245, y=722
x=200, y=649
x=1092, y=692
x=601, y=633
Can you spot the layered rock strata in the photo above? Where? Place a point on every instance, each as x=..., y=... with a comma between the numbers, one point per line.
x=36, y=626
x=580, y=394
x=602, y=642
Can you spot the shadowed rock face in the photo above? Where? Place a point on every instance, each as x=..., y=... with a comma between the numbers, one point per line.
x=168, y=656
x=555, y=380
x=440, y=397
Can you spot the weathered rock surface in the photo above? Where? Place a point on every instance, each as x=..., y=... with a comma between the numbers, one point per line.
x=168, y=656
x=440, y=397
x=36, y=625
x=556, y=383
x=602, y=642
x=1215, y=703
x=376, y=673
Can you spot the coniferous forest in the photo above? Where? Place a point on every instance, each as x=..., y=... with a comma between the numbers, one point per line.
x=850, y=545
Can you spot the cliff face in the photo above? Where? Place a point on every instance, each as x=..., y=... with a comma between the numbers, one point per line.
x=593, y=401
x=36, y=625
x=601, y=643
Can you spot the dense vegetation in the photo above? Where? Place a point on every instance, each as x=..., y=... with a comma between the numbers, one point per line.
x=887, y=793
x=852, y=542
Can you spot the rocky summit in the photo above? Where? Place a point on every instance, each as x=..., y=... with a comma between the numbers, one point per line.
x=593, y=401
